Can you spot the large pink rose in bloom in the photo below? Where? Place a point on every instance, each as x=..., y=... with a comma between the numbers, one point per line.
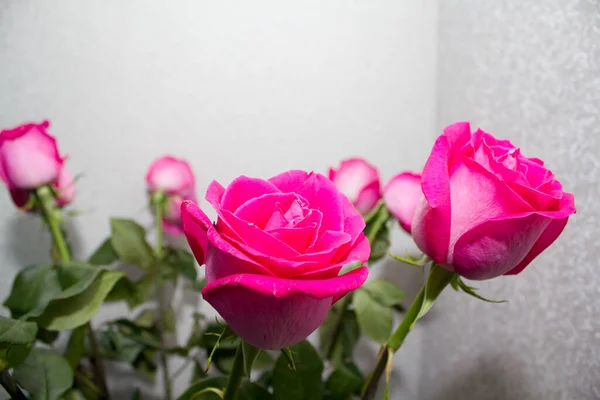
x=401, y=195
x=175, y=178
x=487, y=210
x=274, y=256
x=29, y=157
x=359, y=182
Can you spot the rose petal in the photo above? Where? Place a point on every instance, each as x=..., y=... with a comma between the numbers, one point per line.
x=368, y=197
x=195, y=225
x=495, y=247
x=401, y=195
x=244, y=188
x=289, y=181
x=256, y=238
x=274, y=313
x=259, y=210
x=353, y=176
x=508, y=244
x=549, y=235
x=171, y=175
x=477, y=195
x=29, y=156
x=432, y=232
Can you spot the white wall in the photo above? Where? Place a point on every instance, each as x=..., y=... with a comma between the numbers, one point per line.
x=234, y=87
x=527, y=70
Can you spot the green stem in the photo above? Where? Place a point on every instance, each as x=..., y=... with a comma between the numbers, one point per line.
x=393, y=344
x=158, y=200
x=237, y=373
x=437, y=280
x=11, y=387
x=53, y=218
x=52, y=215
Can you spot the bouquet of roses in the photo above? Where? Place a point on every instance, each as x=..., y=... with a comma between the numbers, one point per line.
x=286, y=256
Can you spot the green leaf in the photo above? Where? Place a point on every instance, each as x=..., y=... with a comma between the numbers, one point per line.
x=250, y=353
x=47, y=336
x=132, y=292
x=252, y=391
x=60, y=297
x=145, y=364
x=76, y=347
x=146, y=318
x=72, y=394
x=128, y=239
x=471, y=291
x=104, y=255
x=69, y=312
x=343, y=382
x=305, y=382
x=374, y=319
x=380, y=245
x=13, y=331
x=384, y=292
x=197, y=390
x=169, y=319
x=438, y=279
x=184, y=263
x=377, y=231
x=263, y=360
x=410, y=260
x=44, y=374
x=345, y=339
x=32, y=290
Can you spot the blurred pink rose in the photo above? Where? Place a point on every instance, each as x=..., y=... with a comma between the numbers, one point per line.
x=274, y=255
x=29, y=157
x=359, y=182
x=487, y=210
x=175, y=178
x=401, y=195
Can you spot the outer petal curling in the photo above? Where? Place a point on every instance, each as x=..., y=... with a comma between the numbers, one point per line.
x=273, y=313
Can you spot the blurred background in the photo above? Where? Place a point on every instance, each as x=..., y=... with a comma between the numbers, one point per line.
x=258, y=88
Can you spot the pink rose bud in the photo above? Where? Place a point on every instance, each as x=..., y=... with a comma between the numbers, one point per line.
x=401, y=195
x=359, y=182
x=175, y=178
x=29, y=157
x=274, y=255
x=487, y=210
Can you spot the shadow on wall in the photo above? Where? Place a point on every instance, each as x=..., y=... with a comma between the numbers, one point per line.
x=490, y=377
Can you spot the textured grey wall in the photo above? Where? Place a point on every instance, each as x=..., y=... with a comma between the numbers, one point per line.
x=234, y=87
x=528, y=70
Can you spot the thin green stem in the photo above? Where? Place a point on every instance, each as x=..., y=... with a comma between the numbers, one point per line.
x=158, y=200
x=11, y=387
x=53, y=218
x=237, y=373
x=393, y=344
x=437, y=280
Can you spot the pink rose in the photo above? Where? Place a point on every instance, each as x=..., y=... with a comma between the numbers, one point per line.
x=274, y=255
x=29, y=157
x=359, y=182
x=401, y=195
x=175, y=178
x=487, y=210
